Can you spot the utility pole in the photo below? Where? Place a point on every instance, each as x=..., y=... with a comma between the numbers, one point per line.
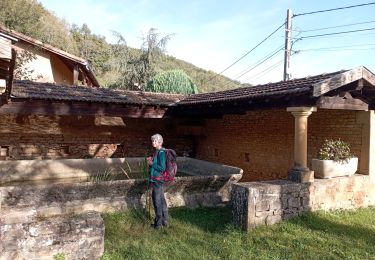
x=288, y=44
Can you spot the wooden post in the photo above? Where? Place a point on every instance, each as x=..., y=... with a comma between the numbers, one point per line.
x=75, y=75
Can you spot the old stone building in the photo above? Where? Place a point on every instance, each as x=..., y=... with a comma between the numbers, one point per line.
x=252, y=128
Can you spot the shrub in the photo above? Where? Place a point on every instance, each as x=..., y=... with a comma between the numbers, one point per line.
x=336, y=150
x=172, y=81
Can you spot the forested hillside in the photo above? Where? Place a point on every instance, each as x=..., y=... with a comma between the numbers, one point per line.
x=115, y=65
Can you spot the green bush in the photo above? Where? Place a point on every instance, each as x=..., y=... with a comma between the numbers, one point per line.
x=172, y=81
x=336, y=150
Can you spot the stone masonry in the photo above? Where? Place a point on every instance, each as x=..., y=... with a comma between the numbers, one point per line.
x=72, y=237
x=265, y=203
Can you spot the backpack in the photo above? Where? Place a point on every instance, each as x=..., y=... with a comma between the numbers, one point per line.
x=171, y=166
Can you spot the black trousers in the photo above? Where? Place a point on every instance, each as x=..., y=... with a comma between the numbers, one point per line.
x=160, y=205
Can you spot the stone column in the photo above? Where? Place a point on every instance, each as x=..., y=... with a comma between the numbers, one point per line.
x=367, y=155
x=300, y=172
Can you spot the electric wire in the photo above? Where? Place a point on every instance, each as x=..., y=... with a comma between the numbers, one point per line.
x=322, y=49
x=334, y=9
x=335, y=33
x=344, y=46
x=265, y=71
x=259, y=62
x=247, y=53
x=340, y=35
x=237, y=75
x=332, y=27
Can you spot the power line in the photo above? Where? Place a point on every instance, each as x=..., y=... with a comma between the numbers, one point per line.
x=332, y=27
x=258, y=63
x=265, y=71
x=335, y=33
x=339, y=36
x=342, y=46
x=247, y=53
x=328, y=49
x=334, y=9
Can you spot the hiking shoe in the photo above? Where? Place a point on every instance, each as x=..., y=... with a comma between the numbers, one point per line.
x=165, y=224
x=156, y=227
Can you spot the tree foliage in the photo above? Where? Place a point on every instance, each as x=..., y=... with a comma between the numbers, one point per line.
x=31, y=18
x=91, y=47
x=115, y=65
x=172, y=81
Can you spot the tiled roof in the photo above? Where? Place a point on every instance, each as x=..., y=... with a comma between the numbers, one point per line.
x=45, y=46
x=302, y=85
x=49, y=48
x=47, y=91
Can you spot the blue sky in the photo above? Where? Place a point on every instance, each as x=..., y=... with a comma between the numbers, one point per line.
x=212, y=34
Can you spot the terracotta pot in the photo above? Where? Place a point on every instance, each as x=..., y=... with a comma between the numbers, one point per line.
x=329, y=168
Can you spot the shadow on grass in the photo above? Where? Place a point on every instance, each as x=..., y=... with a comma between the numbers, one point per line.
x=317, y=222
x=213, y=220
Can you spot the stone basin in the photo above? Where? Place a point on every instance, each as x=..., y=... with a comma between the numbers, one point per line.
x=209, y=184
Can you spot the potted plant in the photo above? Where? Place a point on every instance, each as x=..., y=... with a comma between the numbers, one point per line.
x=334, y=159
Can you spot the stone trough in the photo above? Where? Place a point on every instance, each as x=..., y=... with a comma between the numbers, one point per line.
x=41, y=201
x=43, y=192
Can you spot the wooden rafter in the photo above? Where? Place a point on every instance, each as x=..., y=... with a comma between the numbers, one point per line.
x=342, y=79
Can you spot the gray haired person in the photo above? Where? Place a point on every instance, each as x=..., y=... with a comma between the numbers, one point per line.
x=157, y=164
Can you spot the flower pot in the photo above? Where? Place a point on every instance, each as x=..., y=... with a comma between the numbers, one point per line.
x=329, y=168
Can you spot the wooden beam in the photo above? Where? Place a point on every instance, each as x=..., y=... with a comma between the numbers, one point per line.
x=3, y=74
x=75, y=74
x=342, y=103
x=9, y=80
x=4, y=63
x=343, y=79
x=42, y=107
x=369, y=77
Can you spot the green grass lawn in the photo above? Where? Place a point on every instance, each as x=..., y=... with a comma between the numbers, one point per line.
x=206, y=233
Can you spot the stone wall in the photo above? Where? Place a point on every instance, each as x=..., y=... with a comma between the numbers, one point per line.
x=74, y=237
x=261, y=142
x=52, y=137
x=265, y=203
x=28, y=202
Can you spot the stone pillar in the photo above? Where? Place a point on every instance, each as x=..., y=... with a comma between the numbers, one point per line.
x=367, y=156
x=300, y=172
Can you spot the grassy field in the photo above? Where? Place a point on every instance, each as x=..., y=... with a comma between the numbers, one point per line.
x=206, y=233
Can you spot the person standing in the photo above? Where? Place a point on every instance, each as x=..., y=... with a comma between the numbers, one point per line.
x=157, y=164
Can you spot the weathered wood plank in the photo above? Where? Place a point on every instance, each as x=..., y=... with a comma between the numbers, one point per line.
x=40, y=107
x=341, y=103
x=369, y=77
x=343, y=79
x=75, y=74
x=9, y=78
x=337, y=81
x=5, y=48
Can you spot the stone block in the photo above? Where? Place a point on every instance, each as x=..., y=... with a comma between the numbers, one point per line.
x=270, y=220
x=276, y=205
x=294, y=202
x=263, y=205
x=20, y=215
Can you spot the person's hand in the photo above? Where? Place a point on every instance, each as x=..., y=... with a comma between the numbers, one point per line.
x=149, y=160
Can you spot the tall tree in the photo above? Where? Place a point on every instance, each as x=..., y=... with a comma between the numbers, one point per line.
x=92, y=47
x=141, y=65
